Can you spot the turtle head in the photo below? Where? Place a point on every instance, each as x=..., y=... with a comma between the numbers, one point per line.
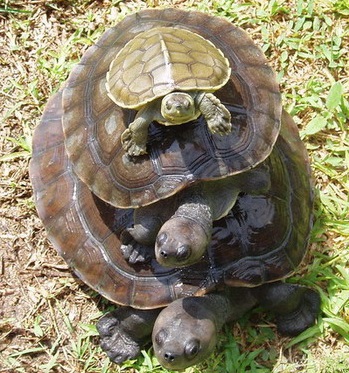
x=180, y=242
x=184, y=333
x=178, y=108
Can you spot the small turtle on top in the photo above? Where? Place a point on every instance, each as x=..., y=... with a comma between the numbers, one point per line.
x=167, y=74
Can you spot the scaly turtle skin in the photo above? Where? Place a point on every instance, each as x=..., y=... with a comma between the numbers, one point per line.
x=261, y=240
x=167, y=73
x=94, y=124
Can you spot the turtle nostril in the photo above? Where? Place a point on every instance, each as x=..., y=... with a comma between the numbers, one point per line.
x=163, y=254
x=168, y=356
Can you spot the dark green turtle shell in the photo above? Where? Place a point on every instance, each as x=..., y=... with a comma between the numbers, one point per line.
x=262, y=239
x=93, y=123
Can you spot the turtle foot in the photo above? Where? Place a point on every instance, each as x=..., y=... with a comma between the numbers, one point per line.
x=117, y=344
x=217, y=116
x=133, y=251
x=125, y=331
x=220, y=125
x=130, y=145
x=302, y=317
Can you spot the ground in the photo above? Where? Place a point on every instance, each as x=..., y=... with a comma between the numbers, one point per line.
x=47, y=315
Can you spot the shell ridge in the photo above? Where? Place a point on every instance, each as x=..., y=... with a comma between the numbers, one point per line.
x=154, y=157
x=167, y=60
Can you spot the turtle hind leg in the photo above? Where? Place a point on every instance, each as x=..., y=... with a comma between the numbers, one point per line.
x=217, y=116
x=296, y=307
x=125, y=331
x=302, y=317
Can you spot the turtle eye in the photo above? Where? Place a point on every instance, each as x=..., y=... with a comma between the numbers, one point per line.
x=160, y=337
x=183, y=252
x=168, y=105
x=192, y=348
x=161, y=239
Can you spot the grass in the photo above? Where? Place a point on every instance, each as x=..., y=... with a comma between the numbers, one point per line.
x=47, y=316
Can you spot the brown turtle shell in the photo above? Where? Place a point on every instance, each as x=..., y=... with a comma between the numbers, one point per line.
x=262, y=239
x=93, y=123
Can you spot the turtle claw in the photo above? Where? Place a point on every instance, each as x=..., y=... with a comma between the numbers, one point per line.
x=129, y=144
x=217, y=116
x=120, y=347
x=133, y=251
x=220, y=125
x=124, y=331
x=220, y=122
x=117, y=344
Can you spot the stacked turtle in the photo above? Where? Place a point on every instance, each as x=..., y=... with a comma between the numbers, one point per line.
x=170, y=180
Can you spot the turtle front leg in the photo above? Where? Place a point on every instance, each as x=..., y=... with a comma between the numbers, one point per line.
x=132, y=250
x=125, y=331
x=217, y=116
x=138, y=241
x=134, y=138
x=296, y=307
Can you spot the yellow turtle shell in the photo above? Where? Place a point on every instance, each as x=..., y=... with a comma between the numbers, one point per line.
x=162, y=60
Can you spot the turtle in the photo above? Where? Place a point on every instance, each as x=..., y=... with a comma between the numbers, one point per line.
x=178, y=163
x=180, y=234
x=168, y=74
x=94, y=124
x=260, y=242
